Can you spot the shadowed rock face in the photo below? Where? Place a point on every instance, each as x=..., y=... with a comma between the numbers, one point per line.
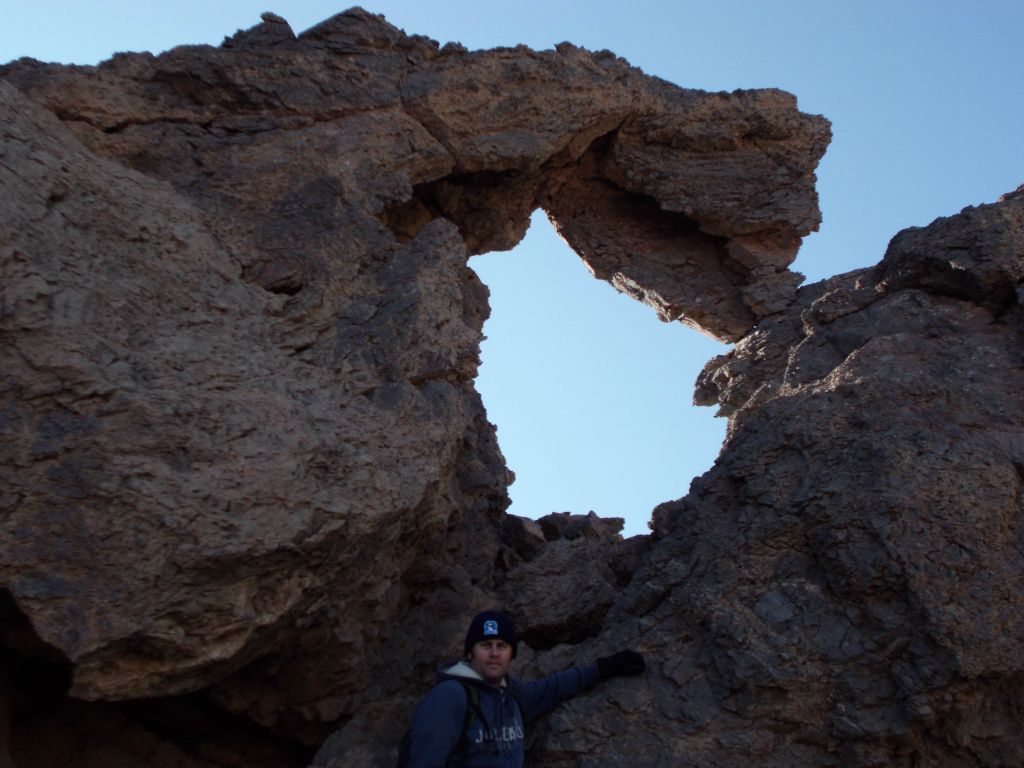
x=246, y=473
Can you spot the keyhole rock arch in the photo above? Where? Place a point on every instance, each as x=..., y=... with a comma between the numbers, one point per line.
x=244, y=460
x=292, y=154
x=692, y=202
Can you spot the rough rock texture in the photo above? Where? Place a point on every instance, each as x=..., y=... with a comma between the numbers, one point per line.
x=870, y=504
x=247, y=478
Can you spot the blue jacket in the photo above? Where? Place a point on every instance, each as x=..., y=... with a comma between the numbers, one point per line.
x=436, y=731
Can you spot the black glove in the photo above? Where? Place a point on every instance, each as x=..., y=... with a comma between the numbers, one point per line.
x=621, y=663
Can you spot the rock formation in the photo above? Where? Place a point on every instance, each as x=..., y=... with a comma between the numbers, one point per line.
x=250, y=495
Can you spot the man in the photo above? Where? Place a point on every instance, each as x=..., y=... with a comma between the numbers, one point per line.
x=475, y=714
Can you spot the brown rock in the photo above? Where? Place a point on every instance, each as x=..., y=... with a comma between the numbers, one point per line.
x=233, y=377
x=875, y=485
x=246, y=473
x=174, y=419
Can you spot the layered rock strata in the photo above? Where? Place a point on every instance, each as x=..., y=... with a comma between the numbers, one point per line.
x=247, y=475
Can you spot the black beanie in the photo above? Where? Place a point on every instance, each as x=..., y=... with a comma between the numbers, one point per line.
x=490, y=624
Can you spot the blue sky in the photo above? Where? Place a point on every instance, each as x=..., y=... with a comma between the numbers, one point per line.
x=590, y=392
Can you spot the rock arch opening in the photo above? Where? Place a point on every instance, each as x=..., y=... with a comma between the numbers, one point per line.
x=684, y=245
x=589, y=393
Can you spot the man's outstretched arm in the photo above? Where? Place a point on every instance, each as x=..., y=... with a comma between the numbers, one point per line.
x=541, y=696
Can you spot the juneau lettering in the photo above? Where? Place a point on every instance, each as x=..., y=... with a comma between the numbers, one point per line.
x=505, y=734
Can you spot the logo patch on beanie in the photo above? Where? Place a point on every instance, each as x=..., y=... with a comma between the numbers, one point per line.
x=490, y=628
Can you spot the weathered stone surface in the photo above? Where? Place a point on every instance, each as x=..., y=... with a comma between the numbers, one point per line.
x=252, y=368
x=165, y=410
x=356, y=113
x=869, y=503
x=246, y=473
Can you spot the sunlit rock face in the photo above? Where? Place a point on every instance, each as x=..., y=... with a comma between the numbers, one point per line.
x=250, y=494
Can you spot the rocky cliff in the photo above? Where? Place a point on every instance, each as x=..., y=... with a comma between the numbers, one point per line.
x=250, y=495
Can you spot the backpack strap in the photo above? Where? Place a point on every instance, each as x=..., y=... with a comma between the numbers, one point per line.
x=472, y=707
x=474, y=711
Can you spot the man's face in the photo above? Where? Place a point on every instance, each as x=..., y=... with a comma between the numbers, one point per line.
x=491, y=659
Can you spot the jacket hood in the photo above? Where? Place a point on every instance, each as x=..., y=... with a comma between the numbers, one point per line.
x=461, y=670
